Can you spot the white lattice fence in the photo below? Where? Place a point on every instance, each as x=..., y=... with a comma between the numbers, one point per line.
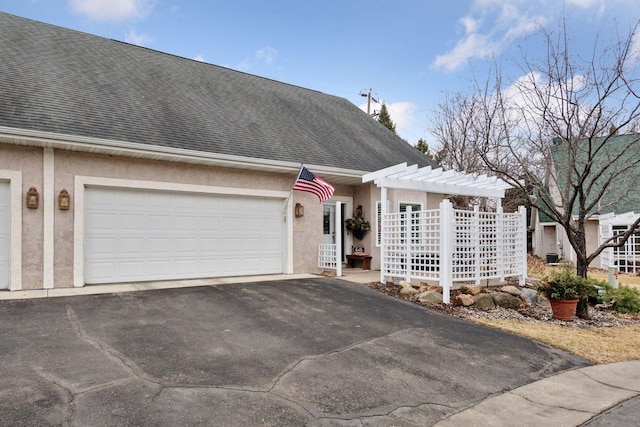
x=454, y=245
x=327, y=256
x=625, y=258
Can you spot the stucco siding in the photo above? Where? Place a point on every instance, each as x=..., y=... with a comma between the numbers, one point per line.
x=28, y=160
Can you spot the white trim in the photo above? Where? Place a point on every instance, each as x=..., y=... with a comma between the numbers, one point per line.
x=431, y=180
x=48, y=206
x=155, y=152
x=347, y=202
x=15, y=252
x=82, y=182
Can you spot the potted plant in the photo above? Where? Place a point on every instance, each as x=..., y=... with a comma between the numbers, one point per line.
x=563, y=290
x=358, y=225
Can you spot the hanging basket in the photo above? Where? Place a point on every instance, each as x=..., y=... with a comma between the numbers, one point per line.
x=563, y=309
x=359, y=233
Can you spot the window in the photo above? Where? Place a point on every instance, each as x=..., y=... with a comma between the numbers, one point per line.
x=415, y=221
x=378, y=223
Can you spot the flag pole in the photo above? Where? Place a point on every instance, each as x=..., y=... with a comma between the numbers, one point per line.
x=286, y=203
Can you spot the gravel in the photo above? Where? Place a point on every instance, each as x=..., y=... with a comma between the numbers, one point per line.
x=540, y=312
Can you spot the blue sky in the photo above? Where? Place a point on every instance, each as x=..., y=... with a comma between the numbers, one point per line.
x=408, y=52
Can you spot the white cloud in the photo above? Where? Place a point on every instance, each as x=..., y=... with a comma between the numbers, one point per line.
x=473, y=46
x=584, y=3
x=496, y=26
x=470, y=24
x=402, y=114
x=634, y=52
x=112, y=10
x=137, y=39
x=199, y=58
x=267, y=54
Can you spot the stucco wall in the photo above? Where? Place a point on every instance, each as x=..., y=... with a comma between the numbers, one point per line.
x=66, y=165
x=29, y=161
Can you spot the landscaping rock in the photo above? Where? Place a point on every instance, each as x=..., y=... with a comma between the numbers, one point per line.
x=502, y=299
x=430, y=297
x=512, y=290
x=408, y=291
x=405, y=284
x=484, y=301
x=435, y=288
x=529, y=296
x=470, y=289
x=464, y=300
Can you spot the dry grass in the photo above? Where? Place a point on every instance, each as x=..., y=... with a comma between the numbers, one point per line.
x=598, y=345
x=538, y=268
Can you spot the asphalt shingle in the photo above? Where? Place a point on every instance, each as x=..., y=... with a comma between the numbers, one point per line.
x=59, y=80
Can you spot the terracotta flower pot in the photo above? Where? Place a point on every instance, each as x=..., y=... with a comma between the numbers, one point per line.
x=563, y=309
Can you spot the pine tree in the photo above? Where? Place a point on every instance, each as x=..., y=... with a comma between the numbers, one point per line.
x=423, y=147
x=385, y=118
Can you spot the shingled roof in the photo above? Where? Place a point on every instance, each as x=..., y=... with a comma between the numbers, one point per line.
x=63, y=81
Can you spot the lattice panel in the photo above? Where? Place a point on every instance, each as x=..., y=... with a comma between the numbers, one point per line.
x=484, y=245
x=327, y=256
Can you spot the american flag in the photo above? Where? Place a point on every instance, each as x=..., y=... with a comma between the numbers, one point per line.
x=309, y=182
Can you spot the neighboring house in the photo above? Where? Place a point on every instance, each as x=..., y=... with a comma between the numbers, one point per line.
x=175, y=169
x=614, y=212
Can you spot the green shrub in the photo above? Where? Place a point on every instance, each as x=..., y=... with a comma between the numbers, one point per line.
x=595, y=286
x=564, y=284
x=627, y=299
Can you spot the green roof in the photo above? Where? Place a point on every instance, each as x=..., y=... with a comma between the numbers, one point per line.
x=614, y=157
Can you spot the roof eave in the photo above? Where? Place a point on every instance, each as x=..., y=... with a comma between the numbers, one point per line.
x=35, y=138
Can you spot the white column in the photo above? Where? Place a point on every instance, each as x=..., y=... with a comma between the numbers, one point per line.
x=500, y=241
x=477, y=251
x=338, y=239
x=48, y=209
x=523, y=221
x=407, y=244
x=446, y=262
x=383, y=214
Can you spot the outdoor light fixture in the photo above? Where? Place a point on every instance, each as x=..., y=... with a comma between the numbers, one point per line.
x=32, y=198
x=64, y=200
x=299, y=210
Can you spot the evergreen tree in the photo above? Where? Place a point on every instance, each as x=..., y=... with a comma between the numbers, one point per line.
x=423, y=147
x=385, y=119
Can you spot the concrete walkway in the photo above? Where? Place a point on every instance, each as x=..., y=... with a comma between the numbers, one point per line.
x=600, y=395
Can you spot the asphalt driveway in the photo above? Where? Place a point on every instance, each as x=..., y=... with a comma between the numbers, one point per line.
x=299, y=352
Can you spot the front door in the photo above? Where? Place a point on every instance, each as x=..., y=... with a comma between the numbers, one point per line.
x=329, y=223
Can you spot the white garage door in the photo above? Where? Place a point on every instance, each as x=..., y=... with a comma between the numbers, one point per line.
x=133, y=235
x=5, y=230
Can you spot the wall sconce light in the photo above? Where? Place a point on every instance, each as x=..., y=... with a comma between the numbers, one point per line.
x=299, y=210
x=32, y=198
x=64, y=200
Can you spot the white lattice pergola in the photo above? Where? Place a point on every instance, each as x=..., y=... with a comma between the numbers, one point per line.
x=445, y=244
x=438, y=180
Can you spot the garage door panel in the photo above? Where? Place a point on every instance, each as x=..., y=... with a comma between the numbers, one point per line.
x=186, y=246
x=163, y=236
x=161, y=246
x=132, y=245
x=101, y=221
x=185, y=266
x=101, y=246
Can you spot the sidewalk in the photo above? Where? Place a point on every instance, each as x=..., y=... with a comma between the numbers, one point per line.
x=571, y=398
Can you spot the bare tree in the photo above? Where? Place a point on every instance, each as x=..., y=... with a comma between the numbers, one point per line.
x=564, y=129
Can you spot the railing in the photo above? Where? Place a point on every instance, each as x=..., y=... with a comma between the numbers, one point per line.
x=449, y=245
x=327, y=256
